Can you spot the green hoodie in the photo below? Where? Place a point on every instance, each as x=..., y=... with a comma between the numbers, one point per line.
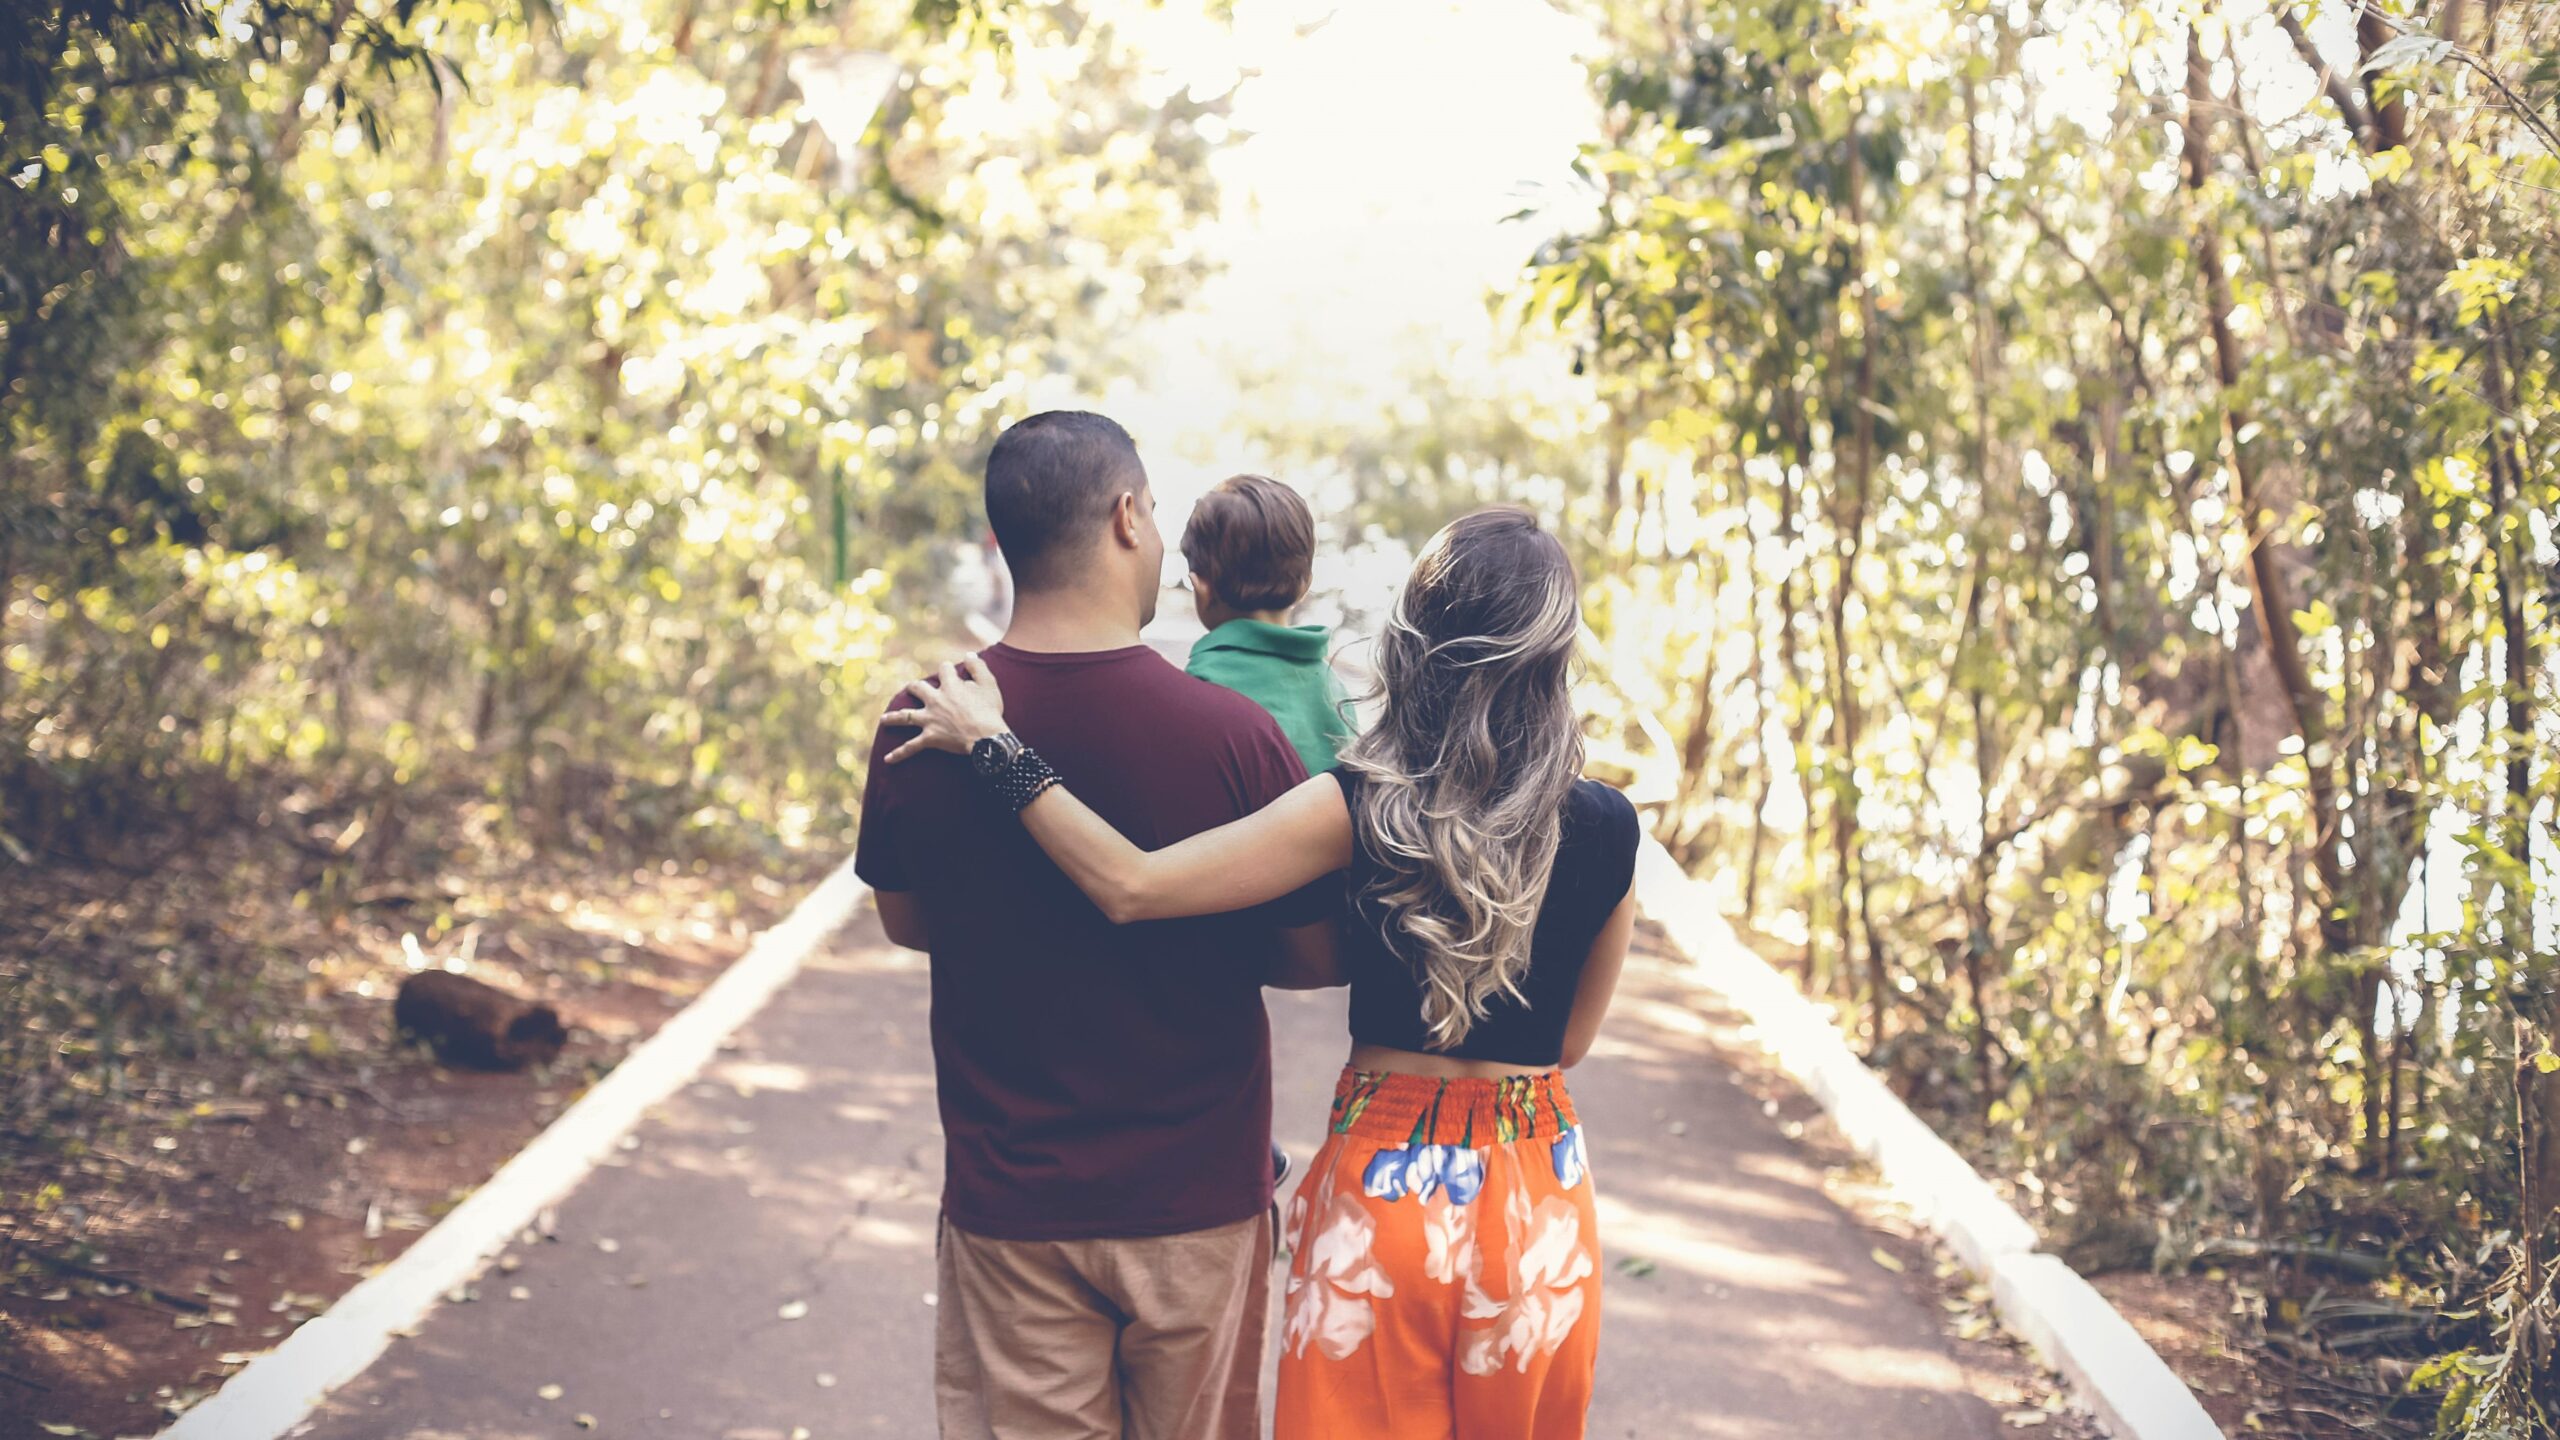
x=1283, y=669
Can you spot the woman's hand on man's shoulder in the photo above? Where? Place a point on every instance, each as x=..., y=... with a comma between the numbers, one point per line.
x=952, y=709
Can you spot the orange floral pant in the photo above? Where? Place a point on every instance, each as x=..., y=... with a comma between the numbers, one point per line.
x=1444, y=1280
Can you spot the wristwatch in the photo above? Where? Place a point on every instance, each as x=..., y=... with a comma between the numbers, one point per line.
x=993, y=755
x=1013, y=770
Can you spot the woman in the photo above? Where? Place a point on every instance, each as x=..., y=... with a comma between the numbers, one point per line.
x=1445, y=1278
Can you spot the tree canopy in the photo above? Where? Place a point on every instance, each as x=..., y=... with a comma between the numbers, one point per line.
x=412, y=390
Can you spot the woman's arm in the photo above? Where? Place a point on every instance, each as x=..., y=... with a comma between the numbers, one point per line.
x=1295, y=840
x=1291, y=842
x=1599, y=979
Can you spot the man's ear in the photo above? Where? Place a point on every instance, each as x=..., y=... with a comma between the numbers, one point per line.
x=1125, y=520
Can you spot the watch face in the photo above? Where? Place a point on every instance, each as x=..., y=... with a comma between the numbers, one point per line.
x=992, y=754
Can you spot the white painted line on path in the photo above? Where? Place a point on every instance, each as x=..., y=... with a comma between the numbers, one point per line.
x=278, y=1390
x=2069, y=1324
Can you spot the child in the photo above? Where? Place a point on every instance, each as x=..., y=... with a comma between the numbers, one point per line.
x=1251, y=544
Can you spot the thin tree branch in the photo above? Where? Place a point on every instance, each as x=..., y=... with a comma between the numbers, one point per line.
x=2350, y=105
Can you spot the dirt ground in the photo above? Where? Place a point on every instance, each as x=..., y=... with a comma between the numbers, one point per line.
x=203, y=1206
x=177, y=1214
x=2211, y=1322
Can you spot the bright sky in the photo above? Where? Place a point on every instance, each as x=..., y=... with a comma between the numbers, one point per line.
x=1362, y=231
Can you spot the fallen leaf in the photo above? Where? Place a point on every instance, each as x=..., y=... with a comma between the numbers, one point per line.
x=2025, y=1419
x=586, y=1422
x=1886, y=1260
x=1635, y=1267
x=550, y=1392
x=793, y=1310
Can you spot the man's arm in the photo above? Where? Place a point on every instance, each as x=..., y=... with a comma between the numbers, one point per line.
x=880, y=855
x=1309, y=958
x=902, y=917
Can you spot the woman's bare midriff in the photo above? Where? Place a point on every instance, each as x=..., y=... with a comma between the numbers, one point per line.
x=1439, y=1067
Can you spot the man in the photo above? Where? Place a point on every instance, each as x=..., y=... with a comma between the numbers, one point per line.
x=1105, y=1091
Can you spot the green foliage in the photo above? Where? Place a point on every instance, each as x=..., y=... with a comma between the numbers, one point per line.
x=2092, y=517
x=421, y=392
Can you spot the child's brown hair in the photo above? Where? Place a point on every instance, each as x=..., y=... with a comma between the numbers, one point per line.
x=1253, y=542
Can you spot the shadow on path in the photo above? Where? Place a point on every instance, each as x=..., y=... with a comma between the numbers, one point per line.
x=759, y=1262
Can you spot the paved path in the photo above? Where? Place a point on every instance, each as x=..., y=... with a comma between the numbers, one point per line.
x=797, y=1179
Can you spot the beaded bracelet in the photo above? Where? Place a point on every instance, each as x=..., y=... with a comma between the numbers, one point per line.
x=1025, y=780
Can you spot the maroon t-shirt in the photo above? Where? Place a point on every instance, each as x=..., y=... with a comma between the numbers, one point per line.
x=1096, y=1080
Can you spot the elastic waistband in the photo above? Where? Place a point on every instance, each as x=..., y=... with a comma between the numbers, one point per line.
x=1426, y=1110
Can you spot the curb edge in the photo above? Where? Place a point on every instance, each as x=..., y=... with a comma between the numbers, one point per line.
x=279, y=1389
x=2042, y=1301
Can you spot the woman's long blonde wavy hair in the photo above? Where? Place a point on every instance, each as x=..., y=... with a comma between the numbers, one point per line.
x=1466, y=771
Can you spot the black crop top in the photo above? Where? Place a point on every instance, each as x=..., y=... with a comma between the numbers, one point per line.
x=1595, y=863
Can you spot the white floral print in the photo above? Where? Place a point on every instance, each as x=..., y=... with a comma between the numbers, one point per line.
x=1548, y=1265
x=1533, y=1323
x=1329, y=1297
x=1450, y=1253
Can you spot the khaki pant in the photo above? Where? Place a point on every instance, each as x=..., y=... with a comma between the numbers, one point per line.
x=1151, y=1339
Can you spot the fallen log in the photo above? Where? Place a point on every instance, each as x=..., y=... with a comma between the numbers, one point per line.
x=475, y=1024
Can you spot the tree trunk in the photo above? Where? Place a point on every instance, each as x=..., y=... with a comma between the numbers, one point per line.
x=1767, y=776
x=1760, y=798
x=1795, y=426
x=1683, y=825
x=2270, y=595
x=2390, y=127
x=1850, y=525
x=1977, y=892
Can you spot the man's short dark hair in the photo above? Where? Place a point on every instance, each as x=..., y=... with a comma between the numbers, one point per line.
x=1051, y=481
x=1254, y=542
